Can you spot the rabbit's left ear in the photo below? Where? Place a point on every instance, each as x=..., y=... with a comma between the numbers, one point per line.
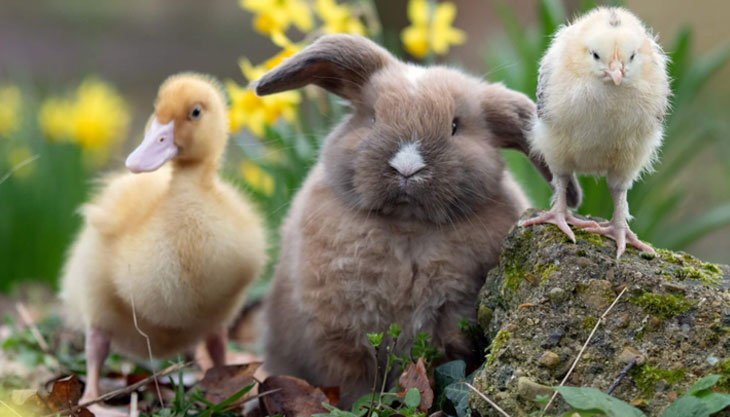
x=510, y=116
x=341, y=64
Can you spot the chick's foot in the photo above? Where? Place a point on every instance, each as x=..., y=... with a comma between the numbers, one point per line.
x=620, y=232
x=562, y=219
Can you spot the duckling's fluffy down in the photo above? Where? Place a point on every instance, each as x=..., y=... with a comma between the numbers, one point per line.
x=181, y=252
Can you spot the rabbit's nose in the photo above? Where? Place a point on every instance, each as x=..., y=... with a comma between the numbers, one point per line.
x=408, y=160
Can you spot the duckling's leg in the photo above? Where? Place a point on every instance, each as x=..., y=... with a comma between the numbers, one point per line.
x=97, y=349
x=216, y=346
x=559, y=214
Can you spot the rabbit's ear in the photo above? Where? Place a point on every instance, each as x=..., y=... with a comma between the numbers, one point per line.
x=341, y=64
x=510, y=116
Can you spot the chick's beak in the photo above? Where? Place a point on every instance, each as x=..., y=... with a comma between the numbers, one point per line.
x=616, y=71
x=157, y=147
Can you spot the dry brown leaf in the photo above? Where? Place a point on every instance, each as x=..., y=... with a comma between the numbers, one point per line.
x=294, y=398
x=64, y=395
x=416, y=376
x=332, y=393
x=221, y=382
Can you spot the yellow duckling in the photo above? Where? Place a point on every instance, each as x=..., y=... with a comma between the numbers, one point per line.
x=176, y=246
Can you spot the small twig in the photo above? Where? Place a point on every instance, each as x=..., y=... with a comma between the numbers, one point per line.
x=17, y=167
x=12, y=410
x=248, y=399
x=133, y=410
x=621, y=376
x=125, y=390
x=27, y=320
x=585, y=345
x=485, y=398
x=149, y=349
x=375, y=384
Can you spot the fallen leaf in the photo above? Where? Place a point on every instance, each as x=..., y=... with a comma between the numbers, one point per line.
x=415, y=376
x=332, y=393
x=221, y=382
x=65, y=394
x=294, y=398
x=521, y=306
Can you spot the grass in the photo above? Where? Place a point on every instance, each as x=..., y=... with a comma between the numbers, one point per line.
x=38, y=209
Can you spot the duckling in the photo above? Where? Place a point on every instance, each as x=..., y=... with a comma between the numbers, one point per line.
x=176, y=246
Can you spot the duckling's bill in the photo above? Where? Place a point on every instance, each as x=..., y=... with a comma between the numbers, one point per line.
x=157, y=147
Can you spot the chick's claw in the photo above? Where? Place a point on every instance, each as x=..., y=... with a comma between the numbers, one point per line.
x=620, y=233
x=562, y=219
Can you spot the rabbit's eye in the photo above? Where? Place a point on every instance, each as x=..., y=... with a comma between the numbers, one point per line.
x=454, y=126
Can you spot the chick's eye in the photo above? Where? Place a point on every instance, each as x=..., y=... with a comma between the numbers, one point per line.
x=454, y=126
x=631, y=58
x=595, y=56
x=195, y=112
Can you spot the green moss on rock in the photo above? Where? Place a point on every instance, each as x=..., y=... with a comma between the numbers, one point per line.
x=499, y=340
x=589, y=323
x=663, y=306
x=646, y=377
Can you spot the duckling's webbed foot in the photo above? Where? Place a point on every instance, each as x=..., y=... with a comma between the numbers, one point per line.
x=97, y=349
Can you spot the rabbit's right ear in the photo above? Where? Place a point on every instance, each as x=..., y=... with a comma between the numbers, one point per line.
x=341, y=64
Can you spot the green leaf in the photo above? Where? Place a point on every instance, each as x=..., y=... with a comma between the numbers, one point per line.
x=375, y=339
x=551, y=15
x=413, y=398
x=592, y=399
x=680, y=54
x=228, y=401
x=458, y=394
x=687, y=406
x=394, y=331
x=705, y=383
x=714, y=401
x=699, y=73
x=713, y=219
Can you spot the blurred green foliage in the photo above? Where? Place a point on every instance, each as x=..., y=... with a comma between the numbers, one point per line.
x=653, y=200
x=38, y=210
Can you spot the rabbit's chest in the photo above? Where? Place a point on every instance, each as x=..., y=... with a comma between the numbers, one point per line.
x=397, y=276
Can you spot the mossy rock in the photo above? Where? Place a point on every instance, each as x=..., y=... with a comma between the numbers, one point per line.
x=548, y=293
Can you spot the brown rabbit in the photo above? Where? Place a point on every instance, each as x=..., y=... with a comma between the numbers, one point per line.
x=400, y=219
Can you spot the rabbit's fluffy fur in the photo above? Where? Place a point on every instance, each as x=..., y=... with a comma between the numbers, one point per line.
x=400, y=219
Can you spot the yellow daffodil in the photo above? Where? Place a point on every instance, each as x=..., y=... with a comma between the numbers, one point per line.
x=99, y=116
x=256, y=177
x=18, y=157
x=430, y=30
x=277, y=15
x=253, y=112
x=338, y=18
x=9, y=109
x=95, y=119
x=54, y=119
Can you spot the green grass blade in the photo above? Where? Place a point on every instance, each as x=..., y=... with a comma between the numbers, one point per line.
x=685, y=234
x=702, y=69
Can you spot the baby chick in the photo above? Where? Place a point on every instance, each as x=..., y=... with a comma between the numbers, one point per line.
x=601, y=98
x=176, y=247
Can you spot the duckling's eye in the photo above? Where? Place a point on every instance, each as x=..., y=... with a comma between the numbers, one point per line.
x=595, y=56
x=454, y=126
x=631, y=58
x=195, y=112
